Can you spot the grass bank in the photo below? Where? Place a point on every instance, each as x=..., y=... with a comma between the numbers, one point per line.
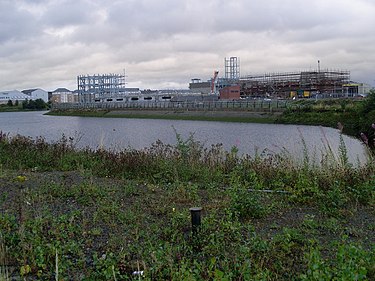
x=99, y=215
x=222, y=116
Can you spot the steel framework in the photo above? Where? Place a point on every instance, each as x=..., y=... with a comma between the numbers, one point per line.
x=232, y=68
x=91, y=87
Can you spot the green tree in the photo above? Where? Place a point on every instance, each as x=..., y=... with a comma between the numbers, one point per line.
x=369, y=103
x=31, y=104
x=10, y=103
x=25, y=104
x=38, y=104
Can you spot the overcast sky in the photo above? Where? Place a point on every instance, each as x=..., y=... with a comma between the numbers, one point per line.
x=164, y=43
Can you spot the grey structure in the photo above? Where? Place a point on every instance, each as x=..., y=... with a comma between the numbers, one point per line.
x=99, y=87
x=198, y=86
x=232, y=68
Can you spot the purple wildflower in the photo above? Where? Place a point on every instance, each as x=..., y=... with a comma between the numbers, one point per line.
x=373, y=126
x=364, y=138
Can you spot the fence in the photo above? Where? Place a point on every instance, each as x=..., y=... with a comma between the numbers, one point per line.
x=247, y=105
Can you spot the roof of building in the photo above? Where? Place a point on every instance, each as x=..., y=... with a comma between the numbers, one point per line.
x=61, y=90
x=28, y=91
x=13, y=95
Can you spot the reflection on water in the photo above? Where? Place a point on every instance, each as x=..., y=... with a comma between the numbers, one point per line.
x=119, y=133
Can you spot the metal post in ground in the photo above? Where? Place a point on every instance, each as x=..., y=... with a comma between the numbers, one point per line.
x=195, y=219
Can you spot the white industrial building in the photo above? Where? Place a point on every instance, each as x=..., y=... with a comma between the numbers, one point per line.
x=35, y=94
x=13, y=95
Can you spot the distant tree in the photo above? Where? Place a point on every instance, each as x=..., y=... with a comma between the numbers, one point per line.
x=38, y=104
x=16, y=103
x=10, y=103
x=31, y=104
x=24, y=104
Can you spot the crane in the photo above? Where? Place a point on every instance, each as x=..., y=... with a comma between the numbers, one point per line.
x=216, y=73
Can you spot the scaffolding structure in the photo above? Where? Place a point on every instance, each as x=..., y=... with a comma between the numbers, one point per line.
x=232, y=68
x=302, y=84
x=99, y=87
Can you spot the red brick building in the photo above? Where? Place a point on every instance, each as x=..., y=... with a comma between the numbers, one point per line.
x=230, y=93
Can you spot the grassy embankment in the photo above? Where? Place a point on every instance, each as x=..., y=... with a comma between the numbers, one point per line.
x=70, y=214
x=224, y=116
x=6, y=108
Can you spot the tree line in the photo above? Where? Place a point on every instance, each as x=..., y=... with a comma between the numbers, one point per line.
x=37, y=104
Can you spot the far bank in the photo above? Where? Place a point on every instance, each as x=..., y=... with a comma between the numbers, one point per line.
x=223, y=116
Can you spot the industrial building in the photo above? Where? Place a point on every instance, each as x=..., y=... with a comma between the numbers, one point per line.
x=302, y=84
x=35, y=94
x=198, y=85
x=13, y=96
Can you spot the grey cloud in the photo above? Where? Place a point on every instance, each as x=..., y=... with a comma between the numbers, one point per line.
x=68, y=12
x=15, y=24
x=152, y=19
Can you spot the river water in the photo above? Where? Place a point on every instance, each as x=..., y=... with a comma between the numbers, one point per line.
x=120, y=133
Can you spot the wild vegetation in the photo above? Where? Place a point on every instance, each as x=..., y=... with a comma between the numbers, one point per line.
x=355, y=117
x=69, y=214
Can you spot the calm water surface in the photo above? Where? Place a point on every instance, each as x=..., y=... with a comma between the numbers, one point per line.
x=119, y=133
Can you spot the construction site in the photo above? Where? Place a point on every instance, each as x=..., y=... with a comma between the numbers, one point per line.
x=296, y=84
x=279, y=85
x=299, y=84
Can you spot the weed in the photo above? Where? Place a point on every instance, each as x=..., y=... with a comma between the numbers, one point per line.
x=333, y=200
x=246, y=204
x=351, y=263
x=4, y=267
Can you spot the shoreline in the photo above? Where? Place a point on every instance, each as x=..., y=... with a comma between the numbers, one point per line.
x=222, y=115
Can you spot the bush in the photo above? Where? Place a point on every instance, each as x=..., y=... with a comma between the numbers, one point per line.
x=38, y=104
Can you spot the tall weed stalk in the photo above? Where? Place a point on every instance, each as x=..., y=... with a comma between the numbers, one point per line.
x=4, y=270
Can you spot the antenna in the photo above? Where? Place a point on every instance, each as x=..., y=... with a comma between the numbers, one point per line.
x=124, y=78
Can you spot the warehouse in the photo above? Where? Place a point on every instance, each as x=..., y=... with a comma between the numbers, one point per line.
x=13, y=96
